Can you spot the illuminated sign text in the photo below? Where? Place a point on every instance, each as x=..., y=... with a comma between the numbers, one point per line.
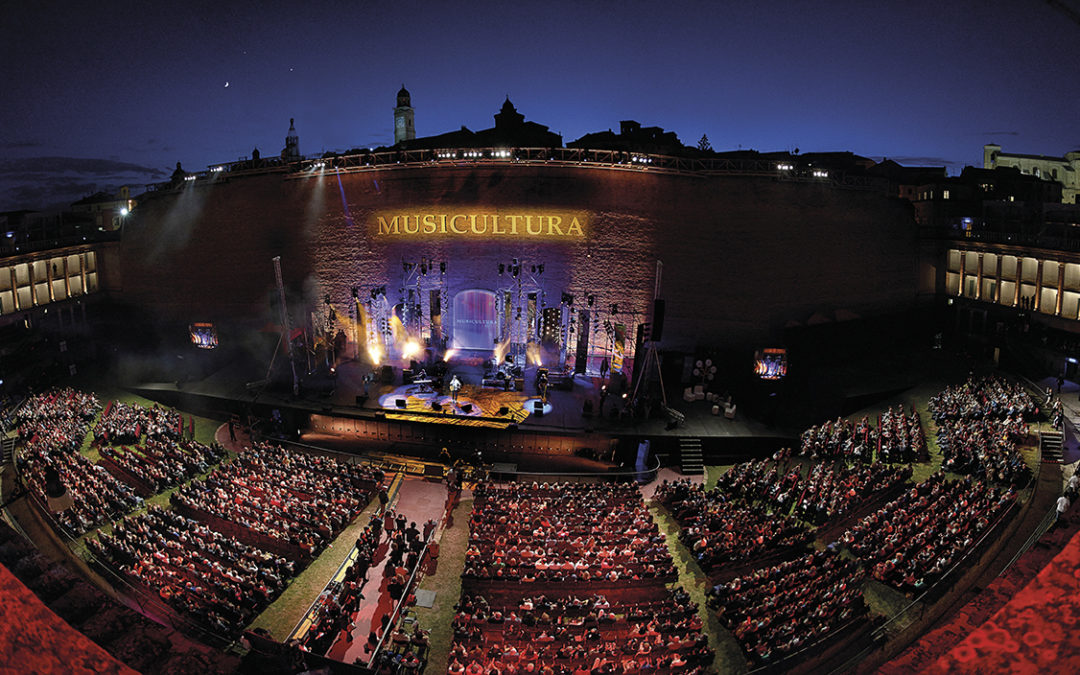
x=481, y=224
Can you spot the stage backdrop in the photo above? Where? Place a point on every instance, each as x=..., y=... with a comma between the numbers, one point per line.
x=743, y=256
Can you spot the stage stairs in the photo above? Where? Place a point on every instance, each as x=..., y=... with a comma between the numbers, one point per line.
x=7, y=448
x=1050, y=446
x=690, y=459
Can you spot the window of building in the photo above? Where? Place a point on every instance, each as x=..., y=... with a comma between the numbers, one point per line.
x=945, y=194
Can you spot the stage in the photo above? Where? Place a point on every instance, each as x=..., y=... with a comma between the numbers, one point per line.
x=370, y=414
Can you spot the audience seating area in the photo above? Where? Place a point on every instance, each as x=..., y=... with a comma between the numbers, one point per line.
x=558, y=578
x=127, y=422
x=768, y=507
x=235, y=537
x=898, y=437
x=221, y=582
x=52, y=427
x=980, y=424
x=567, y=578
x=762, y=513
x=901, y=437
x=159, y=465
x=916, y=538
x=289, y=503
x=778, y=610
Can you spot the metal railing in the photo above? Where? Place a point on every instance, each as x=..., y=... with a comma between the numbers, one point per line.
x=560, y=156
x=349, y=559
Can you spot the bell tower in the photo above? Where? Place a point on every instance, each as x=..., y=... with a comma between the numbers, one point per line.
x=403, y=117
x=292, y=143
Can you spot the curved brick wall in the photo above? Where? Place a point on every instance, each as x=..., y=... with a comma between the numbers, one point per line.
x=742, y=255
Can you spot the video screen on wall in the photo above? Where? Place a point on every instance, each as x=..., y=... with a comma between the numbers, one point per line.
x=770, y=364
x=203, y=335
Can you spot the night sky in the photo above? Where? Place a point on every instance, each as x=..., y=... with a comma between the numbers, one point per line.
x=130, y=88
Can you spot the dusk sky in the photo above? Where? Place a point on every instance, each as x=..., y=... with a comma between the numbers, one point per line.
x=130, y=88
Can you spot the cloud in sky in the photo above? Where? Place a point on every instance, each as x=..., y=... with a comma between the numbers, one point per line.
x=49, y=182
x=21, y=145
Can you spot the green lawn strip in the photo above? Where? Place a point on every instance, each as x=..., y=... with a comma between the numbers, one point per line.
x=284, y=613
x=885, y=600
x=447, y=583
x=713, y=473
x=729, y=655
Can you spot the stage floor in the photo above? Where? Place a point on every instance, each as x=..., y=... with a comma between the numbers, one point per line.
x=563, y=411
x=562, y=414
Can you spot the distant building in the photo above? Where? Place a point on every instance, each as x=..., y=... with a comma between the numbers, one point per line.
x=985, y=199
x=904, y=181
x=632, y=137
x=404, y=126
x=510, y=131
x=1064, y=170
x=108, y=210
x=292, y=143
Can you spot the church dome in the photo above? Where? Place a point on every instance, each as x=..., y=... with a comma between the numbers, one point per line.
x=404, y=100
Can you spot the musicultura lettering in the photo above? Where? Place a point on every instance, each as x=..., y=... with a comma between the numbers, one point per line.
x=481, y=224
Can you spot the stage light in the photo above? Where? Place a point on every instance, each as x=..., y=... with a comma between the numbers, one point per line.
x=411, y=348
x=442, y=267
x=375, y=353
x=124, y=211
x=502, y=268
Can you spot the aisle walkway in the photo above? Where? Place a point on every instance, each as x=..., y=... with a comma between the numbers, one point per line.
x=420, y=500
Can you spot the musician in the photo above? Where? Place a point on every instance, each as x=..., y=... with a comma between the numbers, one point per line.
x=423, y=382
x=455, y=387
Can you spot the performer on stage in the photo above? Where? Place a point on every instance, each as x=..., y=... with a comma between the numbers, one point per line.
x=423, y=382
x=542, y=384
x=455, y=387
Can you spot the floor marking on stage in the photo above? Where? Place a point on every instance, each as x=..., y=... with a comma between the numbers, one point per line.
x=472, y=402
